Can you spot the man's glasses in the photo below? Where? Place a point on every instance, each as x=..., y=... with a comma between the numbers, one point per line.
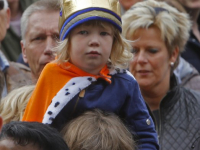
x=1, y=4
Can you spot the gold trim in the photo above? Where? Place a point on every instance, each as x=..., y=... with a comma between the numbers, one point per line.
x=69, y=7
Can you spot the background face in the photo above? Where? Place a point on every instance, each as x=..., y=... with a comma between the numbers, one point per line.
x=41, y=36
x=151, y=62
x=4, y=22
x=126, y=4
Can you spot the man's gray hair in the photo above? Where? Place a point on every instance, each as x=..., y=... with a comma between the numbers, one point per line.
x=42, y=5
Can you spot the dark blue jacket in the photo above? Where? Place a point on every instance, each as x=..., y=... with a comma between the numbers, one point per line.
x=123, y=97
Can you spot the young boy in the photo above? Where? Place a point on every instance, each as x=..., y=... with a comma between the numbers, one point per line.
x=88, y=72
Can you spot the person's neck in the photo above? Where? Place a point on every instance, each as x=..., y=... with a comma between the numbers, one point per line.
x=34, y=78
x=154, y=95
x=194, y=14
x=15, y=9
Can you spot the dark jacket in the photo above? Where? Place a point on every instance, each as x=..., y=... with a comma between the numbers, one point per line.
x=192, y=52
x=17, y=75
x=187, y=75
x=179, y=118
x=13, y=75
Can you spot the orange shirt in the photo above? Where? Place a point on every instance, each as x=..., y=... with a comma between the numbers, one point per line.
x=52, y=79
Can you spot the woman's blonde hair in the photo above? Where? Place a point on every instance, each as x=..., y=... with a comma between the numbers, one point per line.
x=173, y=25
x=97, y=130
x=120, y=53
x=12, y=106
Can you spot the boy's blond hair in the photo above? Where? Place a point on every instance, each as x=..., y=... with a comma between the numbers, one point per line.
x=120, y=53
x=97, y=130
x=12, y=106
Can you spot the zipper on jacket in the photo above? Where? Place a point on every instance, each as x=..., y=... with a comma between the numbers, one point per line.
x=81, y=95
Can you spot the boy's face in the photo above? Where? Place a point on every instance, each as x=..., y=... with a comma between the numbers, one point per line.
x=90, y=47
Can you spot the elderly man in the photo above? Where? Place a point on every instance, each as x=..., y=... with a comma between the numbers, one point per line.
x=39, y=25
x=14, y=75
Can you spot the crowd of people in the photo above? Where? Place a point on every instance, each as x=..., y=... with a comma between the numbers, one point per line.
x=100, y=75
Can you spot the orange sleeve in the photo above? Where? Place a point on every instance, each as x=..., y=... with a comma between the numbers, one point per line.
x=51, y=80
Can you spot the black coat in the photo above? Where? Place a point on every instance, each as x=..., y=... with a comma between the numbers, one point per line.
x=192, y=52
x=179, y=119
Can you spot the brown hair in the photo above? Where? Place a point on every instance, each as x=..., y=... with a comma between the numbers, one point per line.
x=97, y=130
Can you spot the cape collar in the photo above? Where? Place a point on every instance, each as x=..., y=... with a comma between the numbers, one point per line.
x=74, y=86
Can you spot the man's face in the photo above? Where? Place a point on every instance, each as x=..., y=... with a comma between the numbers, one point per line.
x=41, y=36
x=4, y=22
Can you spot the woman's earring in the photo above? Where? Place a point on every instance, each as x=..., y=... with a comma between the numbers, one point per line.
x=172, y=64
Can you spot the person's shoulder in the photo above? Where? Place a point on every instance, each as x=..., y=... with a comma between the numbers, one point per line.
x=125, y=76
x=17, y=75
x=190, y=94
x=19, y=66
x=51, y=66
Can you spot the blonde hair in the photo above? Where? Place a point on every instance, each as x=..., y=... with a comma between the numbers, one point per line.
x=120, y=53
x=13, y=105
x=173, y=25
x=97, y=130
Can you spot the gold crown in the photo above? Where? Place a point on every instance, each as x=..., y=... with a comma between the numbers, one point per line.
x=73, y=11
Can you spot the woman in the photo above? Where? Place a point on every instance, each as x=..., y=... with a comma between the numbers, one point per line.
x=157, y=33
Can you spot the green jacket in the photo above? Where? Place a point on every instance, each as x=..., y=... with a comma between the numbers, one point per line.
x=11, y=44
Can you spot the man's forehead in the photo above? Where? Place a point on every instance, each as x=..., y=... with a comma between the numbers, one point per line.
x=52, y=15
x=43, y=21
